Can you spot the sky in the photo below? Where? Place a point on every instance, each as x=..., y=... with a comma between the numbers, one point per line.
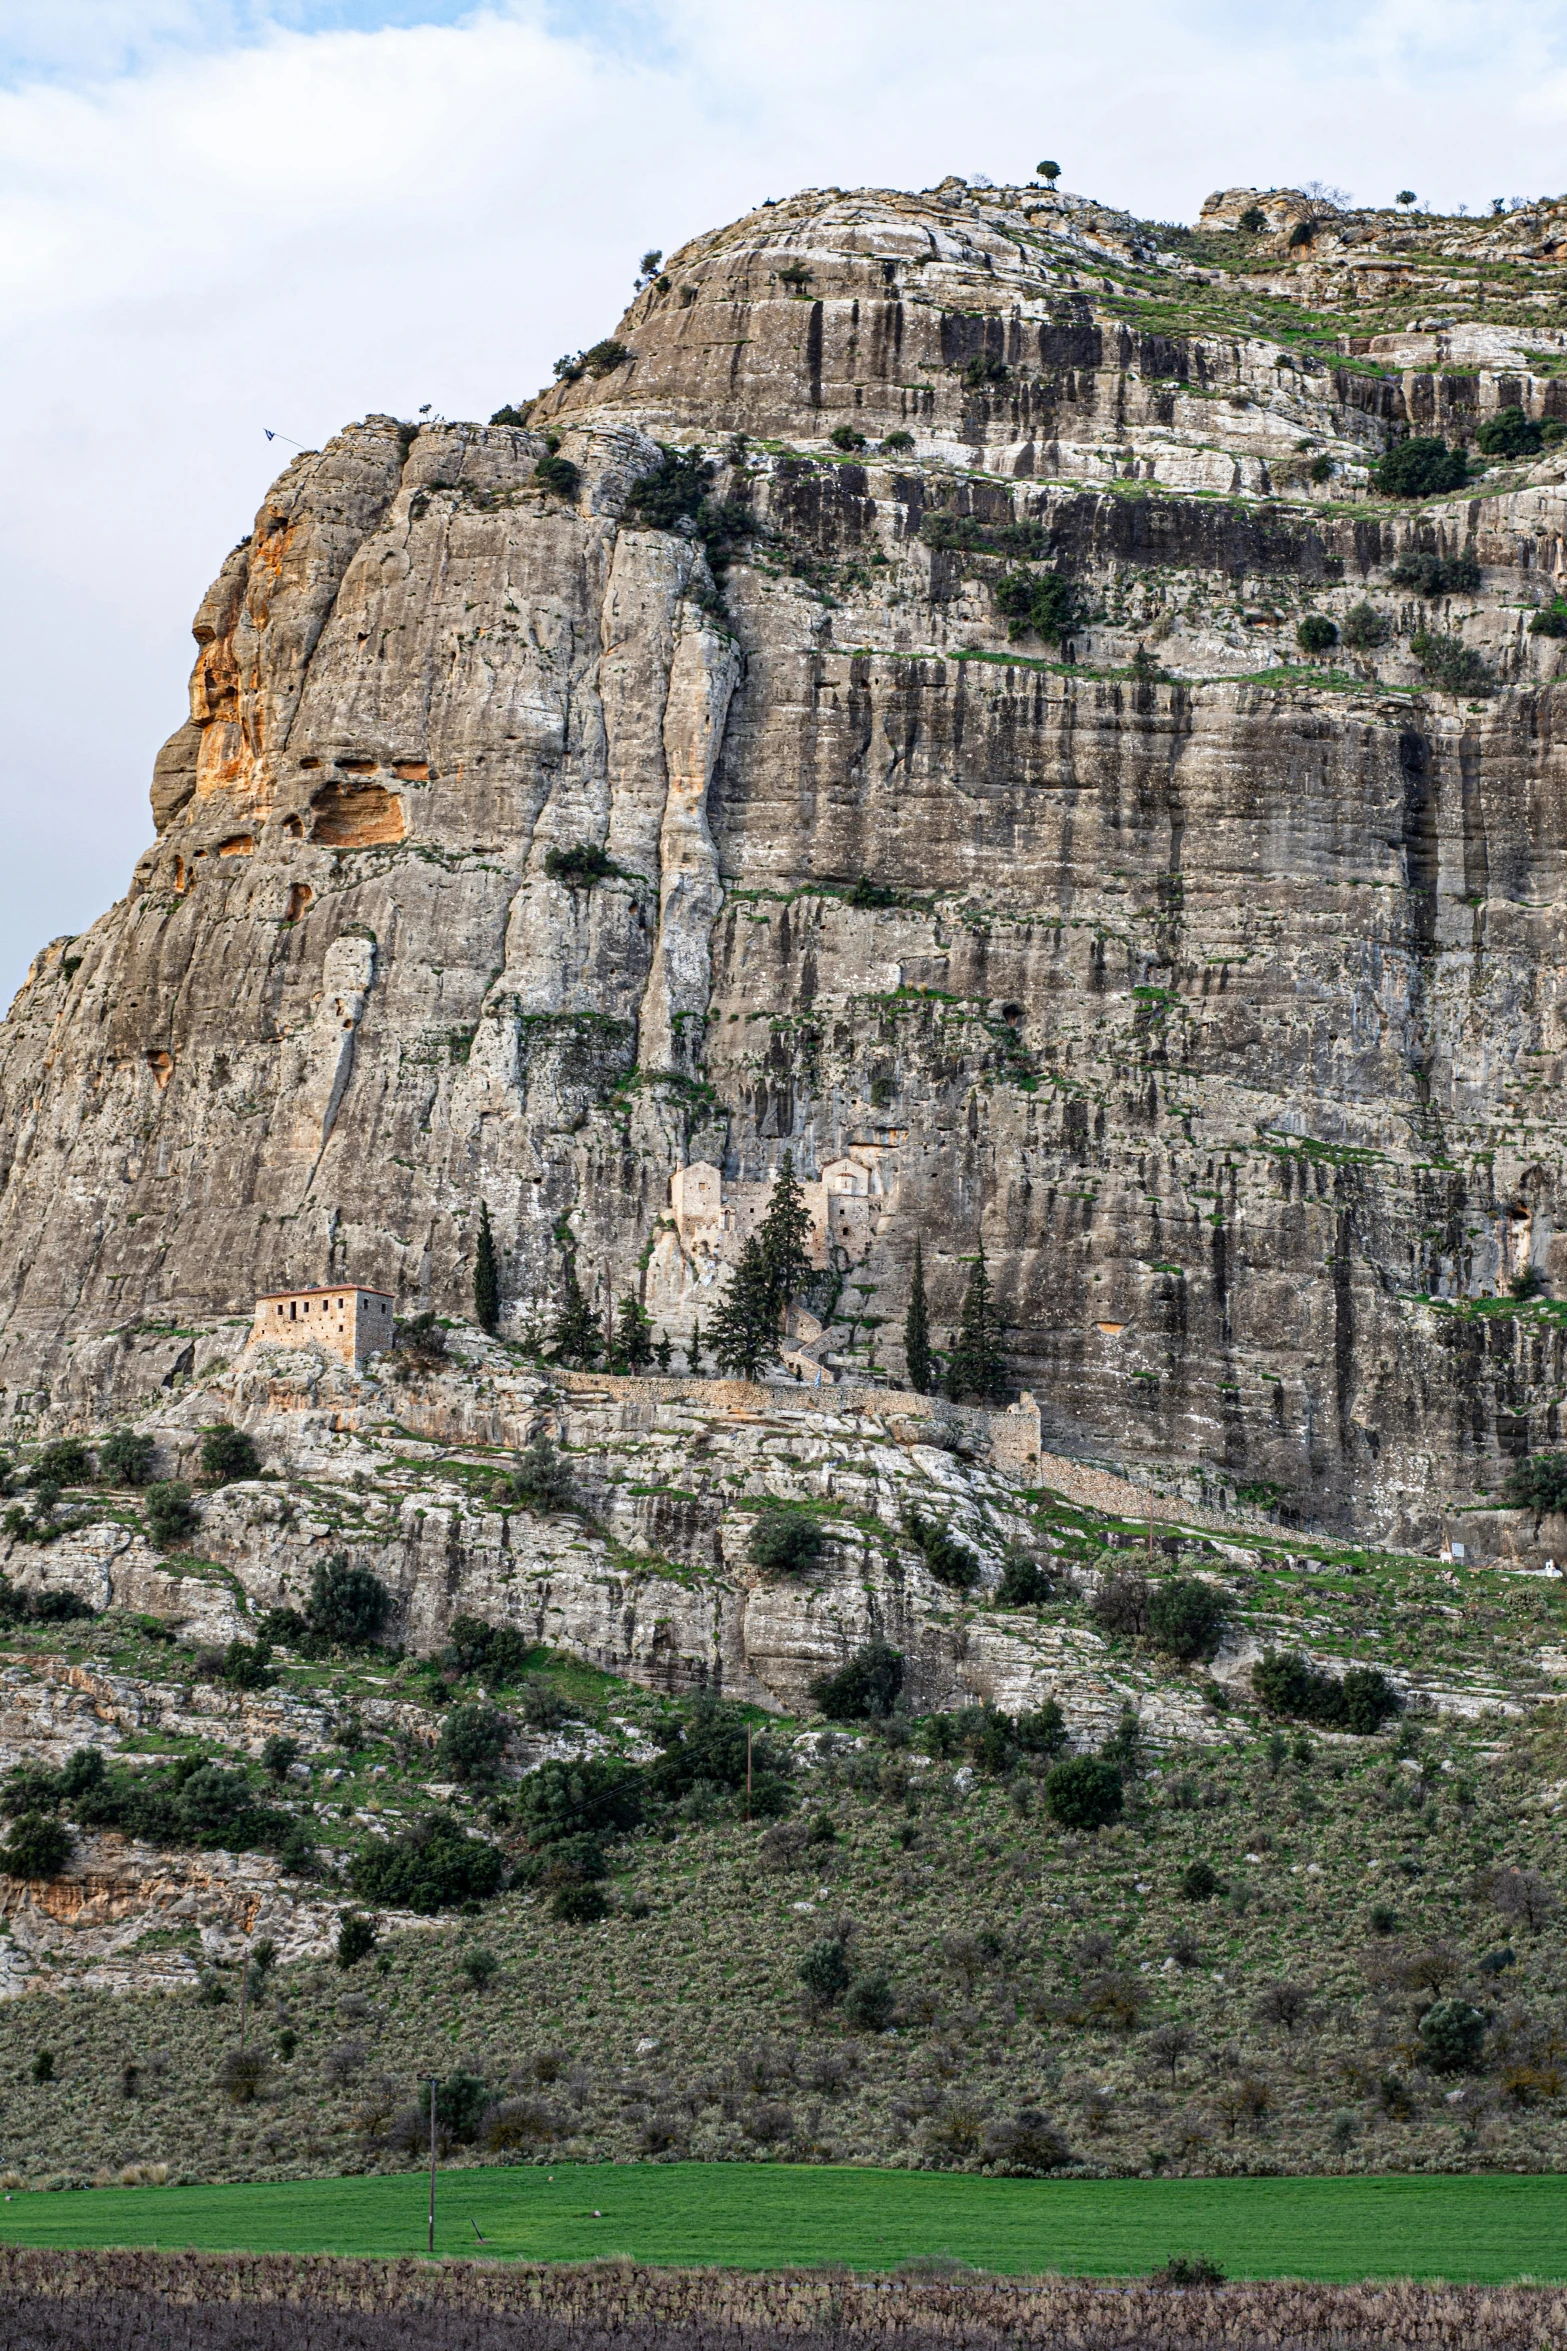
x=221, y=217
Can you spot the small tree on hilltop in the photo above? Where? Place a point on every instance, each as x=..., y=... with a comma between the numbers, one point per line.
x=486, y=1277
x=1048, y=171
x=745, y=1326
x=977, y=1365
x=575, y=1337
x=916, y=1328
x=785, y=1236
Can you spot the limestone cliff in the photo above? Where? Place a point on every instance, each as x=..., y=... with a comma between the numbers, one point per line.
x=1219, y=992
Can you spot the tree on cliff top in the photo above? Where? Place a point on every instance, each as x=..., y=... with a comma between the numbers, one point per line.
x=575, y=1336
x=486, y=1276
x=976, y=1367
x=916, y=1329
x=785, y=1236
x=744, y=1331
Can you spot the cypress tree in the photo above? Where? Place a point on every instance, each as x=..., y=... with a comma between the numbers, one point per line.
x=694, y=1345
x=916, y=1329
x=745, y=1327
x=977, y=1364
x=784, y=1237
x=574, y=1334
x=633, y=1334
x=486, y=1276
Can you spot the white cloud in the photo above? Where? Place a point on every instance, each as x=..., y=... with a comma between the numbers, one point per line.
x=292, y=229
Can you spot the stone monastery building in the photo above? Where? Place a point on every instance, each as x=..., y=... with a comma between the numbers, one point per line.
x=349, y=1323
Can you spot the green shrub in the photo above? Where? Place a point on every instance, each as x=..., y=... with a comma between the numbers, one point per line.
x=673, y=491
x=542, y=1478
x=1084, y=1792
x=785, y=1541
x=58, y=1608
x=1321, y=468
x=1362, y=1702
x=895, y=443
x=825, y=1972
x=557, y=474
x=429, y=1866
x=1024, y=1584
x=1509, y=433
x=241, y=2073
x=516, y=414
x=247, y=1665
x=1452, y=666
x=42, y=2067
x=1253, y=220
x=65, y=1463
x=501, y=1653
x=1550, y=622
x=279, y=1754
x=125, y=1458
x=1365, y=628
x=481, y=1967
x=1189, y=2269
x=1186, y=1618
x=965, y=533
x=348, y=1605
x=579, y=1904
x=37, y=1847
x=472, y=1742
x=1422, y=468
x=580, y=866
x=1437, y=575
x=168, y=1512
x=1042, y=601
x=595, y=1795
x=864, y=1688
x=1199, y=1883
x=1122, y=1601
x=871, y=2003
x=1451, y=2034
x=1538, y=1482
x=1315, y=633
x=228, y=1454
x=984, y=369
x=951, y=1563
x=844, y=436
x=357, y=1937
x=601, y=359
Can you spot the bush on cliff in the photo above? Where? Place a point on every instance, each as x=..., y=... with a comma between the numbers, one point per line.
x=1437, y=575
x=1044, y=602
x=1316, y=634
x=227, y=1455
x=430, y=1866
x=1423, y=467
x=349, y=1605
x=1365, y=628
x=1538, y=1482
x=126, y=1457
x=1510, y=433
x=37, y=1847
x=169, y=1513
x=1451, y=666
x=864, y=1688
x=785, y=1542
x=1186, y=1618
x=1362, y=1702
x=472, y=1742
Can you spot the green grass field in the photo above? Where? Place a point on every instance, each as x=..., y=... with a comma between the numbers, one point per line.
x=762, y=2216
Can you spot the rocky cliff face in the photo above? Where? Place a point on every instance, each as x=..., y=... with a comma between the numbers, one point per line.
x=1218, y=992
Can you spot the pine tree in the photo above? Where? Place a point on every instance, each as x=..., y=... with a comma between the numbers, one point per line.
x=662, y=1353
x=745, y=1327
x=486, y=1276
x=785, y=1237
x=916, y=1329
x=694, y=1346
x=977, y=1365
x=574, y=1334
x=633, y=1334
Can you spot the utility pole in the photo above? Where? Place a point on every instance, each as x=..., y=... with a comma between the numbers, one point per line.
x=432, y=2167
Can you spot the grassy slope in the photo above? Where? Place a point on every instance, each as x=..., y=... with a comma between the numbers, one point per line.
x=1484, y=2230
x=996, y=1930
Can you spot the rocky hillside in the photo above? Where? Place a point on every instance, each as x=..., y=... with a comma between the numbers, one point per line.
x=527, y=1766
x=1044, y=758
